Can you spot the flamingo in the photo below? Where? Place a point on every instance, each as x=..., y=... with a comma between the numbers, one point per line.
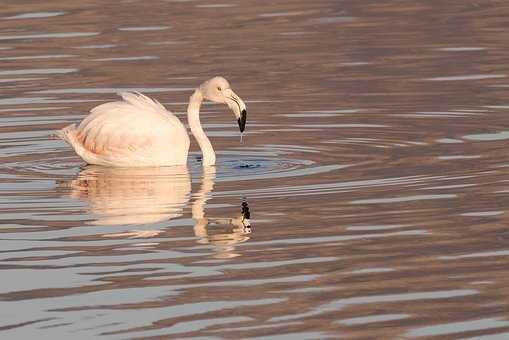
x=139, y=131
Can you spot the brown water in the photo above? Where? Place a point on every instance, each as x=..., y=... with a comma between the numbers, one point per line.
x=375, y=169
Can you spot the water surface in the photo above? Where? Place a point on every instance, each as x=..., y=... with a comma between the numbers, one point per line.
x=374, y=167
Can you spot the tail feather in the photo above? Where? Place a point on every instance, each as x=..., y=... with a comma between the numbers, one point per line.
x=67, y=133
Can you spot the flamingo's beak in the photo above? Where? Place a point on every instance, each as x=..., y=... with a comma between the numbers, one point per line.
x=238, y=107
x=242, y=120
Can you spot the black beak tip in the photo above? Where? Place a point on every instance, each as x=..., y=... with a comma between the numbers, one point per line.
x=242, y=120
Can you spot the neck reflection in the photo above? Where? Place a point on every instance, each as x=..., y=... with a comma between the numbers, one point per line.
x=206, y=229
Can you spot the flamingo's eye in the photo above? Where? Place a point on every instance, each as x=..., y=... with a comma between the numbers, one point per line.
x=219, y=88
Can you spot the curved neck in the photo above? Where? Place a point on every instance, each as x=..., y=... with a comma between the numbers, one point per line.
x=193, y=118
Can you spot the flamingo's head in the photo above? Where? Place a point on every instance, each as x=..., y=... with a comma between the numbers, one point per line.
x=218, y=90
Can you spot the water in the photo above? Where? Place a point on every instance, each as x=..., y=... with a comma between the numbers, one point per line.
x=374, y=167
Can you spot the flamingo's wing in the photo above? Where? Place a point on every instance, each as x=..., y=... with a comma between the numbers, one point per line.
x=134, y=129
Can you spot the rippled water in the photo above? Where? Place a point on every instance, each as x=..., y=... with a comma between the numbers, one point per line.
x=375, y=170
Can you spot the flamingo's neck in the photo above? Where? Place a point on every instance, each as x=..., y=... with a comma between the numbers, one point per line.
x=193, y=118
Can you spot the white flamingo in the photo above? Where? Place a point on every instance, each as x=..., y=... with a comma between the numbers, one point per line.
x=139, y=131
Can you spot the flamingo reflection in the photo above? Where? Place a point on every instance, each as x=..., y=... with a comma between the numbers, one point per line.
x=137, y=196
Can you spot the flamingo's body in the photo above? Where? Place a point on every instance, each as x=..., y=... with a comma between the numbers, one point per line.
x=139, y=131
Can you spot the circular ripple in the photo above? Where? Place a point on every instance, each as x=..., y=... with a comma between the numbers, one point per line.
x=43, y=166
x=229, y=168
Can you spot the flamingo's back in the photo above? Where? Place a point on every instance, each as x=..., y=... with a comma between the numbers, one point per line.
x=137, y=131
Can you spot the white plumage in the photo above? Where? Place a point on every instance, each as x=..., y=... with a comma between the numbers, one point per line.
x=139, y=131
